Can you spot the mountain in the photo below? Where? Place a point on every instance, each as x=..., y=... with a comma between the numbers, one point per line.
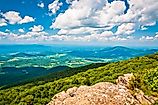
x=144, y=69
x=20, y=54
x=119, y=51
x=51, y=56
x=114, y=52
x=23, y=48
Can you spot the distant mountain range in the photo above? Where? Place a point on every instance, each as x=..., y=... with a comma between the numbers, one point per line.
x=71, y=56
x=20, y=62
x=26, y=54
x=114, y=52
x=108, y=52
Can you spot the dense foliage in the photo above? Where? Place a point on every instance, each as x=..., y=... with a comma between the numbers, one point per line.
x=144, y=68
x=13, y=76
x=53, y=74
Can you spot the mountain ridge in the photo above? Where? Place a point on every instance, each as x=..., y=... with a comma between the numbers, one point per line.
x=145, y=70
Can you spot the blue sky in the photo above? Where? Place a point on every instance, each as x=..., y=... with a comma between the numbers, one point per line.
x=102, y=22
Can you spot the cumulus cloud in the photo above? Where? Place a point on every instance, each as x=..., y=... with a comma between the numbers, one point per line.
x=3, y=33
x=41, y=5
x=35, y=34
x=55, y=6
x=156, y=36
x=106, y=34
x=25, y=37
x=30, y=36
x=21, y=30
x=145, y=38
x=81, y=13
x=90, y=18
x=145, y=11
x=7, y=30
x=37, y=28
x=26, y=19
x=87, y=38
x=143, y=28
x=69, y=1
x=3, y=22
x=126, y=29
x=82, y=31
x=87, y=17
x=13, y=17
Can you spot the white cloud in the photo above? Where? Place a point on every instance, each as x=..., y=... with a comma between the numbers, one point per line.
x=69, y=1
x=7, y=30
x=145, y=38
x=106, y=34
x=156, y=35
x=14, y=17
x=143, y=28
x=80, y=13
x=3, y=35
x=41, y=5
x=126, y=29
x=42, y=36
x=94, y=15
x=55, y=6
x=145, y=11
x=81, y=31
x=21, y=30
x=91, y=20
x=37, y=28
x=87, y=38
x=3, y=22
x=26, y=19
x=29, y=37
x=116, y=38
x=109, y=14
x=89, y=17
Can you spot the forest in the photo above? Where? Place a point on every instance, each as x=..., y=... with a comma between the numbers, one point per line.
x=41, y=90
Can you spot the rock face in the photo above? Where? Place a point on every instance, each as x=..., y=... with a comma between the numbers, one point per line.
x=103, y=94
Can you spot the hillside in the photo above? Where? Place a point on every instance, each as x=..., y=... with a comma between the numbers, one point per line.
x=145, y=70
x=41, y=75
x=15, y=76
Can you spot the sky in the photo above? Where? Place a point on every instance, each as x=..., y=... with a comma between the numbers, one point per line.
x=100, y=22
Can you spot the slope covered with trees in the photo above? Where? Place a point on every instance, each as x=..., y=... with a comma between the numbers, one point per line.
x=144, y=68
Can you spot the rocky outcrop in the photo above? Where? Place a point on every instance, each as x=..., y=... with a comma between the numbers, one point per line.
x=103, y=94
x=125, y=80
